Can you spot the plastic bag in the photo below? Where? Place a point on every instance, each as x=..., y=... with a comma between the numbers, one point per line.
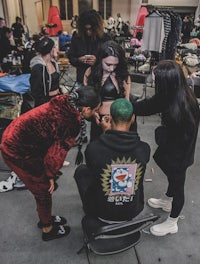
x=18, y=84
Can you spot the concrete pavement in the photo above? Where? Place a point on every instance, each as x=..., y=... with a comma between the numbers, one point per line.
x=21, y=241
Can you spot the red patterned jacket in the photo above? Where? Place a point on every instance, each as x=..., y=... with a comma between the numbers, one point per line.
x=38, y=141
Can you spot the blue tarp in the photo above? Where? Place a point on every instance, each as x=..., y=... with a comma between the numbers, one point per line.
x=18, y=84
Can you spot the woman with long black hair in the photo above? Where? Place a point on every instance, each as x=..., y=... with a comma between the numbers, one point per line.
x=110, y=76
x=176, y=138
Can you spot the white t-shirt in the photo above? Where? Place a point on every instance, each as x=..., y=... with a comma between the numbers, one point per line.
x=111, y=23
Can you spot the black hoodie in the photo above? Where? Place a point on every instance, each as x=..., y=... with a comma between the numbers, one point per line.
x=110, y=197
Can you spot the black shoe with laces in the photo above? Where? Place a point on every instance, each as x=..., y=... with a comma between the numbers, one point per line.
x=59, y=173
x=56, y=221
x=56, y=232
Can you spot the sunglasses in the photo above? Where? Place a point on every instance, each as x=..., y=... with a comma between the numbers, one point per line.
x=89, y=28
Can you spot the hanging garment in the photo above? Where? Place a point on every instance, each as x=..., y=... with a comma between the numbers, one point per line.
x=174, y=35
x=54, y=21
x=167, y=29
x=153, y=34
x=143, y=12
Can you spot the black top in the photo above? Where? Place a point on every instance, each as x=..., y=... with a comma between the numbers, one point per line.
x=5, y=47
x=108, y=90
x=178, y=151
x=55, y=81
x=42, y=82
x=18, y=30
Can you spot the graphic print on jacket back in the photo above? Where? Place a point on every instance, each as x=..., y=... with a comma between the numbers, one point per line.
x=120, y=180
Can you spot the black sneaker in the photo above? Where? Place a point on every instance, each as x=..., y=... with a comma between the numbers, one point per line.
x=56, y=221
x=56, y=232
x=59, y=173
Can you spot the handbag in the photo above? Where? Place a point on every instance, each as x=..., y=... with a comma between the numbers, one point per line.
x=161, y=136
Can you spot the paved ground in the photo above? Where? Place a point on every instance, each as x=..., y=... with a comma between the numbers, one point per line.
x=21, y=242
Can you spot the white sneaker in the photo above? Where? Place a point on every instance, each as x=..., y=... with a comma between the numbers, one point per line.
x=169, y=226
x=164, y=203
x=14, y=175
x=66, y=163
x=7, y=185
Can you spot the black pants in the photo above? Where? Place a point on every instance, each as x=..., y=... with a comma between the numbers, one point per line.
x=83, y=180
x=176, y=183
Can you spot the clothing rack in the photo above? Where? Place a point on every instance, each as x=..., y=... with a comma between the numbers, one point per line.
x=166, y=48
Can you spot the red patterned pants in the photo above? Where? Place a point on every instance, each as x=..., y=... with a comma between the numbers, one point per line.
x=38, y=186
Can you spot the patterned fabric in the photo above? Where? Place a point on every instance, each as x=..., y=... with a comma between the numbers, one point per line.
x=35, y=145
x=167, y=29
x=10, y=105
x=173, y=37
x=39, y=140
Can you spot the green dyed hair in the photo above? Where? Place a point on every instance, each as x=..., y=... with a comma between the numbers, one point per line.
x=121, y=110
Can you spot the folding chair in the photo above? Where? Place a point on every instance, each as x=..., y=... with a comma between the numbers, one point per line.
x=105, y=239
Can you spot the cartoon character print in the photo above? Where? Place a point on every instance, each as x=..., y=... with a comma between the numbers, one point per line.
x=121, y=180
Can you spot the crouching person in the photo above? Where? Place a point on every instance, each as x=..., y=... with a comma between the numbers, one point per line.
x=35, y=145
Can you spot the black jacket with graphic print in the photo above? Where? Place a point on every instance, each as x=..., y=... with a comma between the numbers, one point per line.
x=116, y=148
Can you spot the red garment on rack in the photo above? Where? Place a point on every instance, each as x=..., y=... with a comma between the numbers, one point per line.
x=54, y=19
x=143, y=12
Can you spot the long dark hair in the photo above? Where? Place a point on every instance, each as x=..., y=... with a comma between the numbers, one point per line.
x=171, y=86
x=109, y=48
x=90, y=17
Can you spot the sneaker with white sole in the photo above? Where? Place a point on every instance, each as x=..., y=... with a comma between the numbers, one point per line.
x=169, y=226
x=7, y=185
x=56, y=232
x=19, y=185
x=164, y=203
x=56, y=221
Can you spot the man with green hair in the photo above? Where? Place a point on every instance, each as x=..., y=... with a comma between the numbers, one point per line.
x=111, y=182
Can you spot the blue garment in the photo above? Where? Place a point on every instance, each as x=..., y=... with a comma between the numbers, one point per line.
x=63, y=40
x=18, y=84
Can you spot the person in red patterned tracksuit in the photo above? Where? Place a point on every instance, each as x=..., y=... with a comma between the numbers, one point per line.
x=35, y=146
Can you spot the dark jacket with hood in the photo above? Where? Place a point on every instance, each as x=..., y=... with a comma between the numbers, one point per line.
x=112, y=194
x=176, y=146
x=41, y=80
x=80, y=47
